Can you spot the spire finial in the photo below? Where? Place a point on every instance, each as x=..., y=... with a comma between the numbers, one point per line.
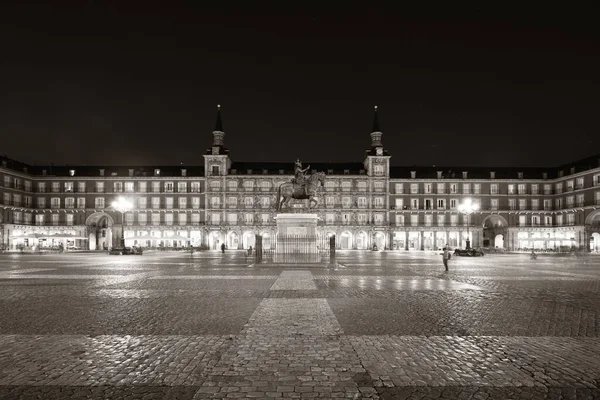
x=219, y=124
x=376, y=127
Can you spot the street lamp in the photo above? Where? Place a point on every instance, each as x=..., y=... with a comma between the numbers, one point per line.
x=122, y=205
x=467, y=208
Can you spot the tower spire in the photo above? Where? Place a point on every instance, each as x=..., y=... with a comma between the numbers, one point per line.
x=376, y=132
x=219, y=124
x=376, y=127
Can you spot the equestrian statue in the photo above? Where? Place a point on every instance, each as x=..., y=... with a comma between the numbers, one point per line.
x=300, y=187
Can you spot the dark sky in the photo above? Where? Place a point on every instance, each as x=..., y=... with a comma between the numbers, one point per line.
x=95, y=83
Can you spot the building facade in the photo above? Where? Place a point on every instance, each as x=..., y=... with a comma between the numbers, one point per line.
x=364, y=204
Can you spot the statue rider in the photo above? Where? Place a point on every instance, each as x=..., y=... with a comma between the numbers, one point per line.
x=299, y=174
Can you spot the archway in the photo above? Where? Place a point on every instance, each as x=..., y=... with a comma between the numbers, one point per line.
x=248, y=239
x=362, y=241
x=345, y=240
x=499, y=241
x=232, y=240
x=593, y=218
x=379, y=240
x=595, y=242
x=267, y=240
x=494, y=229
x=215, y=239
x=100, y=232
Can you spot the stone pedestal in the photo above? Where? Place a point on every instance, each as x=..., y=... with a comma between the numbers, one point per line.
x=296, y=239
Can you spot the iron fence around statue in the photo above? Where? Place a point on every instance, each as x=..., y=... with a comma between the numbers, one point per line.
x=292, y=249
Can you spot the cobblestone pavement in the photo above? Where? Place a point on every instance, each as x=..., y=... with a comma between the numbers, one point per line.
x=382, y=325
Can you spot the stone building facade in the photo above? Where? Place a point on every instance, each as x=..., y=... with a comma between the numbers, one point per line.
x=364, y=204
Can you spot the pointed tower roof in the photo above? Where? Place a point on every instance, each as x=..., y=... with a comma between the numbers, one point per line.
x=376, y=127
x=219, y=124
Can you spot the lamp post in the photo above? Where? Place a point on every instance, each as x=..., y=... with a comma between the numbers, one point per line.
x=467, y=208
x=122, y=205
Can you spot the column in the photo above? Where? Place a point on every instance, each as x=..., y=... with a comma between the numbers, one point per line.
x=446, y=238
x=421, y=240
x=390, y=241
x=406, y=240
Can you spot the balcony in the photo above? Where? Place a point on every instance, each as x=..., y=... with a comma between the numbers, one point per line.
x=580, y=204
x=577, y=187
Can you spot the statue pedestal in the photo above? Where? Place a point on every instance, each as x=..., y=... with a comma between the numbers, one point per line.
x=296, y=239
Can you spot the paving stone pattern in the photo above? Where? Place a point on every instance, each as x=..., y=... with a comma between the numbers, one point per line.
x=383, y=325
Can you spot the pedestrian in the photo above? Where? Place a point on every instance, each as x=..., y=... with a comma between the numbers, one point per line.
x=223, y=248
x=250, y=250
x=446, y=257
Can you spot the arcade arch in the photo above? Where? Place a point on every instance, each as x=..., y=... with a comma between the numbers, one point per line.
x=248, y=239
x=100, y=233
x=379, y=240
x=362, y=242
x=215, y=240
x=345, y=240
x=494, y=230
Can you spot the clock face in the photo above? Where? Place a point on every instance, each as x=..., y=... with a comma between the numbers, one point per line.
x=379, y=151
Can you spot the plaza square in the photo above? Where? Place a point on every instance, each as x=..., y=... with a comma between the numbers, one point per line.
x=379, y=325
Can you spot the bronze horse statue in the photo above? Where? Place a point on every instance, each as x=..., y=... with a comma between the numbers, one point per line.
x=287, y=191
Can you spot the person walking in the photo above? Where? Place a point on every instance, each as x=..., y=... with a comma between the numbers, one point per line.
x=223, y=248
x=446, y=257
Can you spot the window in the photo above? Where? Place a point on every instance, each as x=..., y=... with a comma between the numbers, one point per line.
x=362, y=219
x=118, y=187
x=264, y=202
x=346, y=185
x=232, y=186
x=41, y=201
x=535, y=189
x=535, y=220
x=168, y=202
x=142, y=218
x=182, y=202
x=570, y=201
x=596, y=179
x=547, y=189
x=466, y=188
x=99, y=202
x=570, y=185
x=169, y=187
x=155, y=219
x=559, y=188
x=597, y=196
x=215, y=202
x=55, y=202
x=232, y=201
x=168, y=219
x=494, y=189
x=265, y=186
x=99, y=187
x=182, y=187
x=441, y=204
x=522, y=204
x=428, y=204
x=329, y=186
x=196, y=202
x=215, y=170
x=414, y=204
x=558, y=204
x=493, y=204
x=69, y=187
x=249, y=218
x=441, y=219
x=362, y=186
x=28, y=201
x=329, y=219
x=156, y=187
x=195, y=219
x=441, y=188
x=17, y=199
x=346, y=202
x=398, y=204
x=399, y=220
x=129, y=187
x=55, y=187
x=215, y=219
x=414, y=188
x=570, y=219
x=547, y=204
x=454, y=220
x=142, y=187
x=559, y=219
x=512, y=204
x=548, y=220
x=428, y=219
x=522, y=188
x=511, y=189
x=579, y=183
x=18, y=217
x=142, y=203
x=248, y=186
x=182, y=218
x=248, y=202
x=453, y=188
x=378, y=186
x=129, y=218
x=55, y=219
x=378, y=202
x=522, y=220
x=215, y=186
x=39, y=219
x=195, y=187
x=81, y=187
x=156, y=202
x=453, y=203
x=378, y=169
x=427, y=188
x=580, y=200
x=41, y=186
x=477, y=188
x=70, y=202
x=535, y=204
x=399, y=188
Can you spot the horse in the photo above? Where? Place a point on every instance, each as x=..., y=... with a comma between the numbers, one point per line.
x=287, y=191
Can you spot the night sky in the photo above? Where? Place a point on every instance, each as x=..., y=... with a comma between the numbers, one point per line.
x=94, y=83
